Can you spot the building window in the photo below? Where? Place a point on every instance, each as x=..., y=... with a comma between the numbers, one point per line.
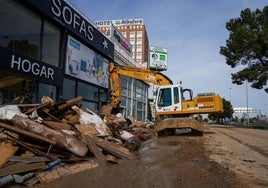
x=139, y=48
x=132, y=41
x=46, y=90
x=68, y=89
x=51, y=42
x=16, y=90
x=139, y=33
x=138, y=60
x=88, y=92
x=139, y=40
x=133, y=49
x=89, y=105
x=103, y=95
x=132, y=34
x=124, y=34
x=20, y=29
x=138, y=55
x=21, y=32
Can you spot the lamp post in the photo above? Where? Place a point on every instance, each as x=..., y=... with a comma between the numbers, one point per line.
x=265, y=113
x=247, y=102
x=230, y=105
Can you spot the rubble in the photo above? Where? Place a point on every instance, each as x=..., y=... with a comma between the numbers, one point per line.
x=41, y=143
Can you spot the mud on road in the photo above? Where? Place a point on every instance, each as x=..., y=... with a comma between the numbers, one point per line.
x=212, y=160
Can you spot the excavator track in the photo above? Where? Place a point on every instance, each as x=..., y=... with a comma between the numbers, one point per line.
x=168, y=126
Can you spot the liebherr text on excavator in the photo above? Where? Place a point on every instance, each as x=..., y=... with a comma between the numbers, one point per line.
x=173, y=109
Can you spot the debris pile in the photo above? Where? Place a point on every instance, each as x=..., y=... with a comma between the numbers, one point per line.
x=39, y=144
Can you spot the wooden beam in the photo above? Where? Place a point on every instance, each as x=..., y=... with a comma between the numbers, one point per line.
x=13, y=169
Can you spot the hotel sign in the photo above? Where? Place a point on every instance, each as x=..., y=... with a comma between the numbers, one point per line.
x=134, y=21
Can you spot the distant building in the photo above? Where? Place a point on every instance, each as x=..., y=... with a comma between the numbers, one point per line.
x=135, y=32
x=131, y=47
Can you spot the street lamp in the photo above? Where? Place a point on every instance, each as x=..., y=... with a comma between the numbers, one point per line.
x=247, y=103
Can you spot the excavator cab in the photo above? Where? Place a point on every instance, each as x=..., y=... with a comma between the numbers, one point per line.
x=169, y=98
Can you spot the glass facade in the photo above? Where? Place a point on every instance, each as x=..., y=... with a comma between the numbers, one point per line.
x=134, y=98
x=93, y=97
x=26, y=33
x=39, y=44
x=20, y=29
x=51, y=46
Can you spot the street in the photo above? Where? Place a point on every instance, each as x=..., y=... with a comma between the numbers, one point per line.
x=223, y=157
x=242, y=150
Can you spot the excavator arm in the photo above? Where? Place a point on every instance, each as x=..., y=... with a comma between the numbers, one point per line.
x=142, y=74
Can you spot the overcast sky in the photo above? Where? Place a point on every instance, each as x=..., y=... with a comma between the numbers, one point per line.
x=192, y=31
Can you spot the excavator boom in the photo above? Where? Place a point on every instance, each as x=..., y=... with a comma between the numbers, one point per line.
x=133, y=72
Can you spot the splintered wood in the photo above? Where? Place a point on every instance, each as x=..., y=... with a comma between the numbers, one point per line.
x=52, y=175
x=7, y=149
x=37, y=139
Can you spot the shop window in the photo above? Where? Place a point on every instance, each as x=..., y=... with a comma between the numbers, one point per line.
x=88, y=92
x=46, y=90
x=20, y=29
x=103, y=95
x=51, y=42
x=89, y=105
x=68, y=89
x=16, y=90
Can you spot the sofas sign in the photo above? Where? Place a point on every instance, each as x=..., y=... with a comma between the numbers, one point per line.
x=65, y=15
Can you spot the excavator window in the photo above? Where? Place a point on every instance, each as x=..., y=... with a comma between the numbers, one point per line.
x=176, y=95
x=164, y=98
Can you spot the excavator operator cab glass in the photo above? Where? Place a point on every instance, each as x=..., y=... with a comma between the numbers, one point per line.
x=164, y=97
x=176, y=95
x=168, y=98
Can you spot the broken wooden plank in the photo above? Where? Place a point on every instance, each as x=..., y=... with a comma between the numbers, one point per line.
x=70, y=103
x=27, y=133
x=21, y=168
x=34, y=150
x=37, y=108
x=87, y=129
x=115, y=149
x=7, y=149
x=94, y=149
x=57, y=125
x=52, y=175
x=46, y=111
x=33, y=159
x=65, y=141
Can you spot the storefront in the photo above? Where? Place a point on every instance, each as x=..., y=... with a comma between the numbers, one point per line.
x=48, y=48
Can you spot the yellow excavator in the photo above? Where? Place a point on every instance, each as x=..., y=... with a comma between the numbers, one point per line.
x=173, y=110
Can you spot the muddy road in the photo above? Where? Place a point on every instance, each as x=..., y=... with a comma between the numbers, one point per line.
x=223, y=157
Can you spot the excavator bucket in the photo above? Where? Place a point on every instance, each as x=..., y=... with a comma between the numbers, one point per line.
x=169, y=126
